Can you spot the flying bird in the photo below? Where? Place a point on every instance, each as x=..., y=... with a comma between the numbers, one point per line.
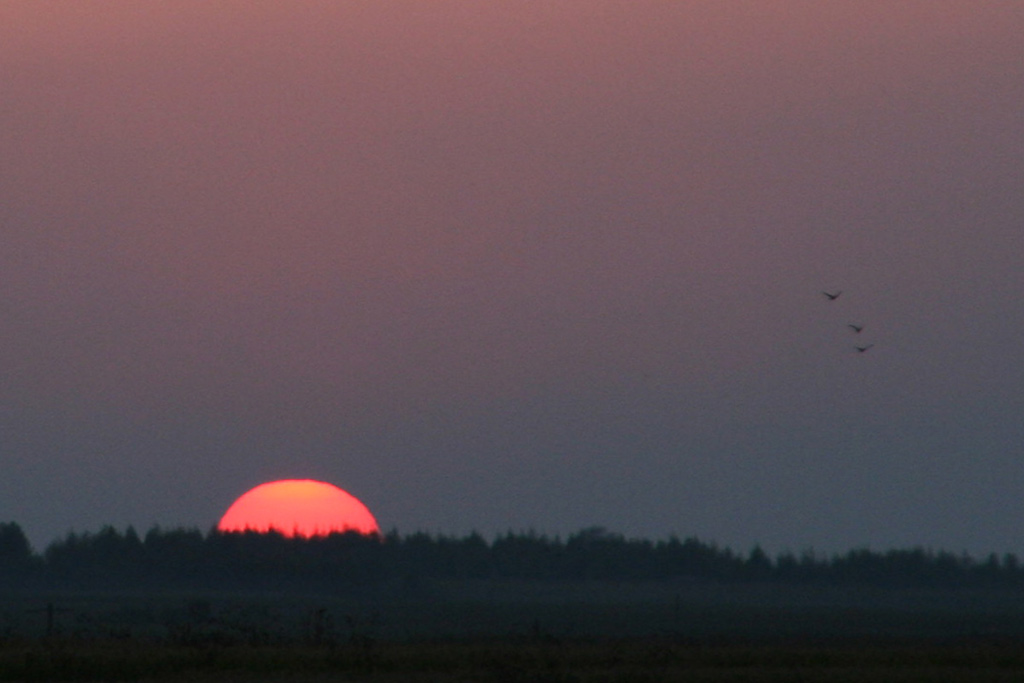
x=862, y=349
x=831, y=296
x=855, y=328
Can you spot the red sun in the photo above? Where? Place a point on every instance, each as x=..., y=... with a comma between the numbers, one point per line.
x=298, y=507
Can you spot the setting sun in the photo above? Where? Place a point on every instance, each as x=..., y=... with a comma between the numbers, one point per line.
x=298, y=507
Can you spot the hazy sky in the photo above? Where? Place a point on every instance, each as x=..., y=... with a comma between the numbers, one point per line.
x=507, y=266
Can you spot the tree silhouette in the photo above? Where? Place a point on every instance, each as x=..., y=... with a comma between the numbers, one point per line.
x=16, y=558
x=187, y=558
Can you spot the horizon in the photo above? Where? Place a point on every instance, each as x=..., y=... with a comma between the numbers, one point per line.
x=605, y=533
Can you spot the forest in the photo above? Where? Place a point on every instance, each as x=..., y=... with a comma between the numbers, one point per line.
x=190, y=559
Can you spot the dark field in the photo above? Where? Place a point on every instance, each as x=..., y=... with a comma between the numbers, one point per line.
x=510, y=660
x=520, y=631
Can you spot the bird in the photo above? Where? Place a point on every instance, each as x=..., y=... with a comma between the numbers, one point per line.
x=855, y=328
x=862, y=349
x=831, y=296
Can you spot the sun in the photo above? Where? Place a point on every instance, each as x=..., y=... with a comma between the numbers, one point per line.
x=298, y=507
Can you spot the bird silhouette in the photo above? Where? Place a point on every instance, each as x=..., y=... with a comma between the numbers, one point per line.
x=862, y=349
x=831, y=296
x=855, y=328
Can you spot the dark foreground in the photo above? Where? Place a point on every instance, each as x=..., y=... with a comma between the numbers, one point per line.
x=516, y=631
x=511, y=660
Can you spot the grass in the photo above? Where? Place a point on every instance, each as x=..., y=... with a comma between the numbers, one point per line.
x=517, y=633
x=513, y=661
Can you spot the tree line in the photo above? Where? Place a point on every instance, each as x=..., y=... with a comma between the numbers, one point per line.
x=188, y=558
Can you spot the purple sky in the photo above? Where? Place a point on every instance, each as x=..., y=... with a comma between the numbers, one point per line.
x=518, y=266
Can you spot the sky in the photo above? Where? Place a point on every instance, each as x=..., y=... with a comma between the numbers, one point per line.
x=514, y=266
